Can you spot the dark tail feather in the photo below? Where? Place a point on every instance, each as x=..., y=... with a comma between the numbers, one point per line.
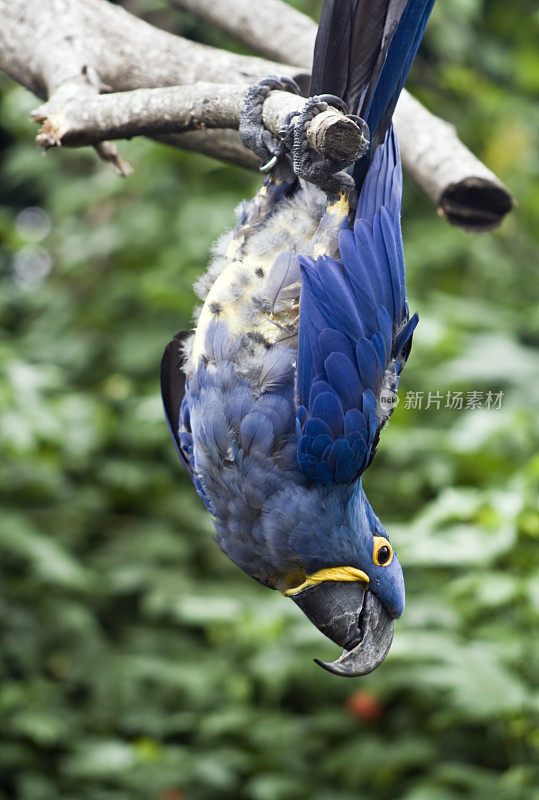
x=384, y=92
x=363, y=53
x=332, y=49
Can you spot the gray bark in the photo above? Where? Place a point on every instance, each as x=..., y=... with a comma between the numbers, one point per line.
x=270, y=27
x=43, y=44
x=157, y=112
x=70, y=52
x=462, y=189
x=221, y=143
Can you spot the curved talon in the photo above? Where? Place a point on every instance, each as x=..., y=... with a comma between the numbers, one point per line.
x=271, y=81
x=282, y=83
x=273, y=151
x=253, y=132
x=291, y=84
x=362, y=125
x=269, y=166
x=307, y=163
x=333, y=100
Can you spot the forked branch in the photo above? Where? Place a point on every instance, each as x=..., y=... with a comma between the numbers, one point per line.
x=106, y=74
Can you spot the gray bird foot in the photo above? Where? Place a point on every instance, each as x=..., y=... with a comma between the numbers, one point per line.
x=307, y=163
x=254, y=135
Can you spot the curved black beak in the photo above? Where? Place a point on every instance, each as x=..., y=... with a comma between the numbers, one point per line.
x=349, y=614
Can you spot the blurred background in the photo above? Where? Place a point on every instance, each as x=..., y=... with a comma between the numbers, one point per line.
x=136, y=662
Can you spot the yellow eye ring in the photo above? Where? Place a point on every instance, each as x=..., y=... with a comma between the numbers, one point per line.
x=383, y=552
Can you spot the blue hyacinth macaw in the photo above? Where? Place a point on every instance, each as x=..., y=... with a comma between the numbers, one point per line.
x=277, y=399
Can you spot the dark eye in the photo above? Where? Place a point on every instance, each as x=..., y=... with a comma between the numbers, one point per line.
x=383, y=552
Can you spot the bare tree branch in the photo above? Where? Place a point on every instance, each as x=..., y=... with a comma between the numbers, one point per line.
x=55, y=66
x=270, y=27
x=462, y=188
x=70, y=51
x=37, y=38
x=155, y=112
x=221, y=143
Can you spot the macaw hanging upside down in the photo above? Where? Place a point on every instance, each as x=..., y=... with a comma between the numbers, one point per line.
x=277, y=400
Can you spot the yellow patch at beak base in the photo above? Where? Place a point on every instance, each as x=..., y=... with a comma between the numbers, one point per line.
x=331, y=574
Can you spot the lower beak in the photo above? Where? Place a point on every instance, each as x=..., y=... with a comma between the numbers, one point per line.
x=349, y=614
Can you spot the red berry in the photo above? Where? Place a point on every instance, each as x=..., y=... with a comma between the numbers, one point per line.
x=172, y=793
x=364, y=705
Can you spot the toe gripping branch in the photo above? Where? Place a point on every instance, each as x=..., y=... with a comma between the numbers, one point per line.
x=324, y=171
x=291, y=151
x=271, y=149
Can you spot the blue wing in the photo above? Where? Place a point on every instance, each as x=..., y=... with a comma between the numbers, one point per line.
x=354, y=332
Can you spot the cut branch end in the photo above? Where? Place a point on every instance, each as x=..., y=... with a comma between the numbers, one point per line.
x=475, y=204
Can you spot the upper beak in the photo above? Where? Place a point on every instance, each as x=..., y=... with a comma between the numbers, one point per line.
x=349, y=614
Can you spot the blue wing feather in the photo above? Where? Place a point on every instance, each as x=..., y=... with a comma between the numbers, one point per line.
x=327, y=407
x=368, y=364
x=378, y=343
x=354, y=331
x=317, y=427
x=344, y=379
x=385, y=329
x=354, y=422
x=405, y=334
x=319, y=385
x=330, y=341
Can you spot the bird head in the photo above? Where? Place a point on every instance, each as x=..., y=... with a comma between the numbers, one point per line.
x=354, y=588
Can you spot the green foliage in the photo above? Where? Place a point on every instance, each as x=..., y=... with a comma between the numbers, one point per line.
x=136, y=662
